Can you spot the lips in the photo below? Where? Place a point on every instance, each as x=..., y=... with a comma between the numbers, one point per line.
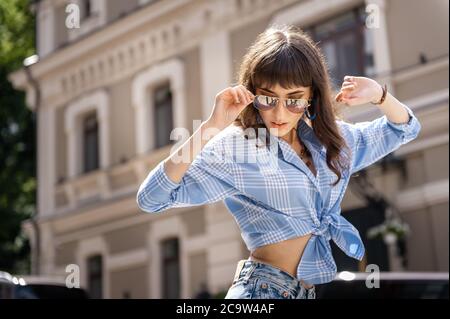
x=278, y=124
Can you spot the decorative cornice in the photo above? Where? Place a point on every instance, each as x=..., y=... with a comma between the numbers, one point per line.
x=135, y=42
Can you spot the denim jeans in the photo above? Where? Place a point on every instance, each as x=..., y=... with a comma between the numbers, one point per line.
x=256, y=280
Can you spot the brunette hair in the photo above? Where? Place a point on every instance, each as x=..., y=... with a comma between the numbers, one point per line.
x=285, y=55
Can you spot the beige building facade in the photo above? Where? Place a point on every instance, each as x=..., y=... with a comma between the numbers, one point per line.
x=112, y=90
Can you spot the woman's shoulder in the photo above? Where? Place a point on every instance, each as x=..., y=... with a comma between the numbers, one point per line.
x=341, y=122
x=224, y=138
x=229, y=133
x=345, y=126
x=232, y=141
x=347, y=130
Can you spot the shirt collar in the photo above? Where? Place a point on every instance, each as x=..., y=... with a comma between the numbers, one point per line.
x=307, y=135
x=304, y=132
x=285, y=151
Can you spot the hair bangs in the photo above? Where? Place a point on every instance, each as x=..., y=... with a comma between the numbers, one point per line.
x=287, y=67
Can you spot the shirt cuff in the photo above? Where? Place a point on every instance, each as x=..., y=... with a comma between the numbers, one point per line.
x=409, y=130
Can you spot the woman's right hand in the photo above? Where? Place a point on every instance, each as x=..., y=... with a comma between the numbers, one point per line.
x=229, y=103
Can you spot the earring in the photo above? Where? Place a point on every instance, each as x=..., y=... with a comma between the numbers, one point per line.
x=308, y=115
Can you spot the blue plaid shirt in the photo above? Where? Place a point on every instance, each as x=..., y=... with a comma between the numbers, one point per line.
x=273, y=195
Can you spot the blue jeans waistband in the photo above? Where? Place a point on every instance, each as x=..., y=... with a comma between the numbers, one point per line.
x=249, y=269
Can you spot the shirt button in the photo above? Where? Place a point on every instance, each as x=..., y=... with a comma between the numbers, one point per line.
x=285, y=294
x=264, y=285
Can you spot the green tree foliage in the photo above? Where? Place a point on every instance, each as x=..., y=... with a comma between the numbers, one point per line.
x=17, y=137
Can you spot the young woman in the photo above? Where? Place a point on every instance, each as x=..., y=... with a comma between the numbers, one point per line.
x=284, y=190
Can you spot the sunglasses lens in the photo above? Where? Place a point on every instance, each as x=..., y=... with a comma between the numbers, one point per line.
x=296, y=105
x=265, y=103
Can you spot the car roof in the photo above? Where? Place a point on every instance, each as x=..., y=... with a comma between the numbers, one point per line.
x=388, y=275
x=6, y=276
x=44, y=280
x=32, y=279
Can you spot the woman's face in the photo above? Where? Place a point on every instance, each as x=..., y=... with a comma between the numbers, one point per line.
x=280, y=114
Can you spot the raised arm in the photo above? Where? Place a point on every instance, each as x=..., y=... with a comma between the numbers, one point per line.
x=372, y=140
x=196, y=173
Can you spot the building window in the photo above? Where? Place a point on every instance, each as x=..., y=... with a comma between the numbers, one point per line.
x=345, y=44
x=163, y=115
x=172, y=103
x=90, y=143
x=170, y=268
x=86, y=9
x=95, y=276
x=84, y=144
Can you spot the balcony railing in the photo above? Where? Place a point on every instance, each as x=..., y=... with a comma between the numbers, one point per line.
x=106, y=184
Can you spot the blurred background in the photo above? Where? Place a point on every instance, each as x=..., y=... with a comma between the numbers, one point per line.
x=91, y=89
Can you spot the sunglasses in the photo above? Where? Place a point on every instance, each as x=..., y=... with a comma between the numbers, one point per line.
x=267, y=103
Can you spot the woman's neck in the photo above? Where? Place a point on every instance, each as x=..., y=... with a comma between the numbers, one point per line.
x=290, y=137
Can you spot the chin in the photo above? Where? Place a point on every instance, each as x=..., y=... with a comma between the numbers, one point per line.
x=279, y=132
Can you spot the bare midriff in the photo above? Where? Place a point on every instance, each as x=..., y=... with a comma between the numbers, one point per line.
x=284, y=255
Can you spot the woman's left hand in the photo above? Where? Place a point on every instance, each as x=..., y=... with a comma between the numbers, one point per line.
x=357, y=90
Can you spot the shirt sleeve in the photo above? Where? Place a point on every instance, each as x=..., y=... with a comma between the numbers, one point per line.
x=208, y=179
x=372, y=140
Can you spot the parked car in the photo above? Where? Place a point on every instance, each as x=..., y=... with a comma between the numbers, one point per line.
x=392, y=285
x=35, y=287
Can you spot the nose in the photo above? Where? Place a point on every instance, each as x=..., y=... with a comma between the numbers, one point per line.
x=280, y=111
